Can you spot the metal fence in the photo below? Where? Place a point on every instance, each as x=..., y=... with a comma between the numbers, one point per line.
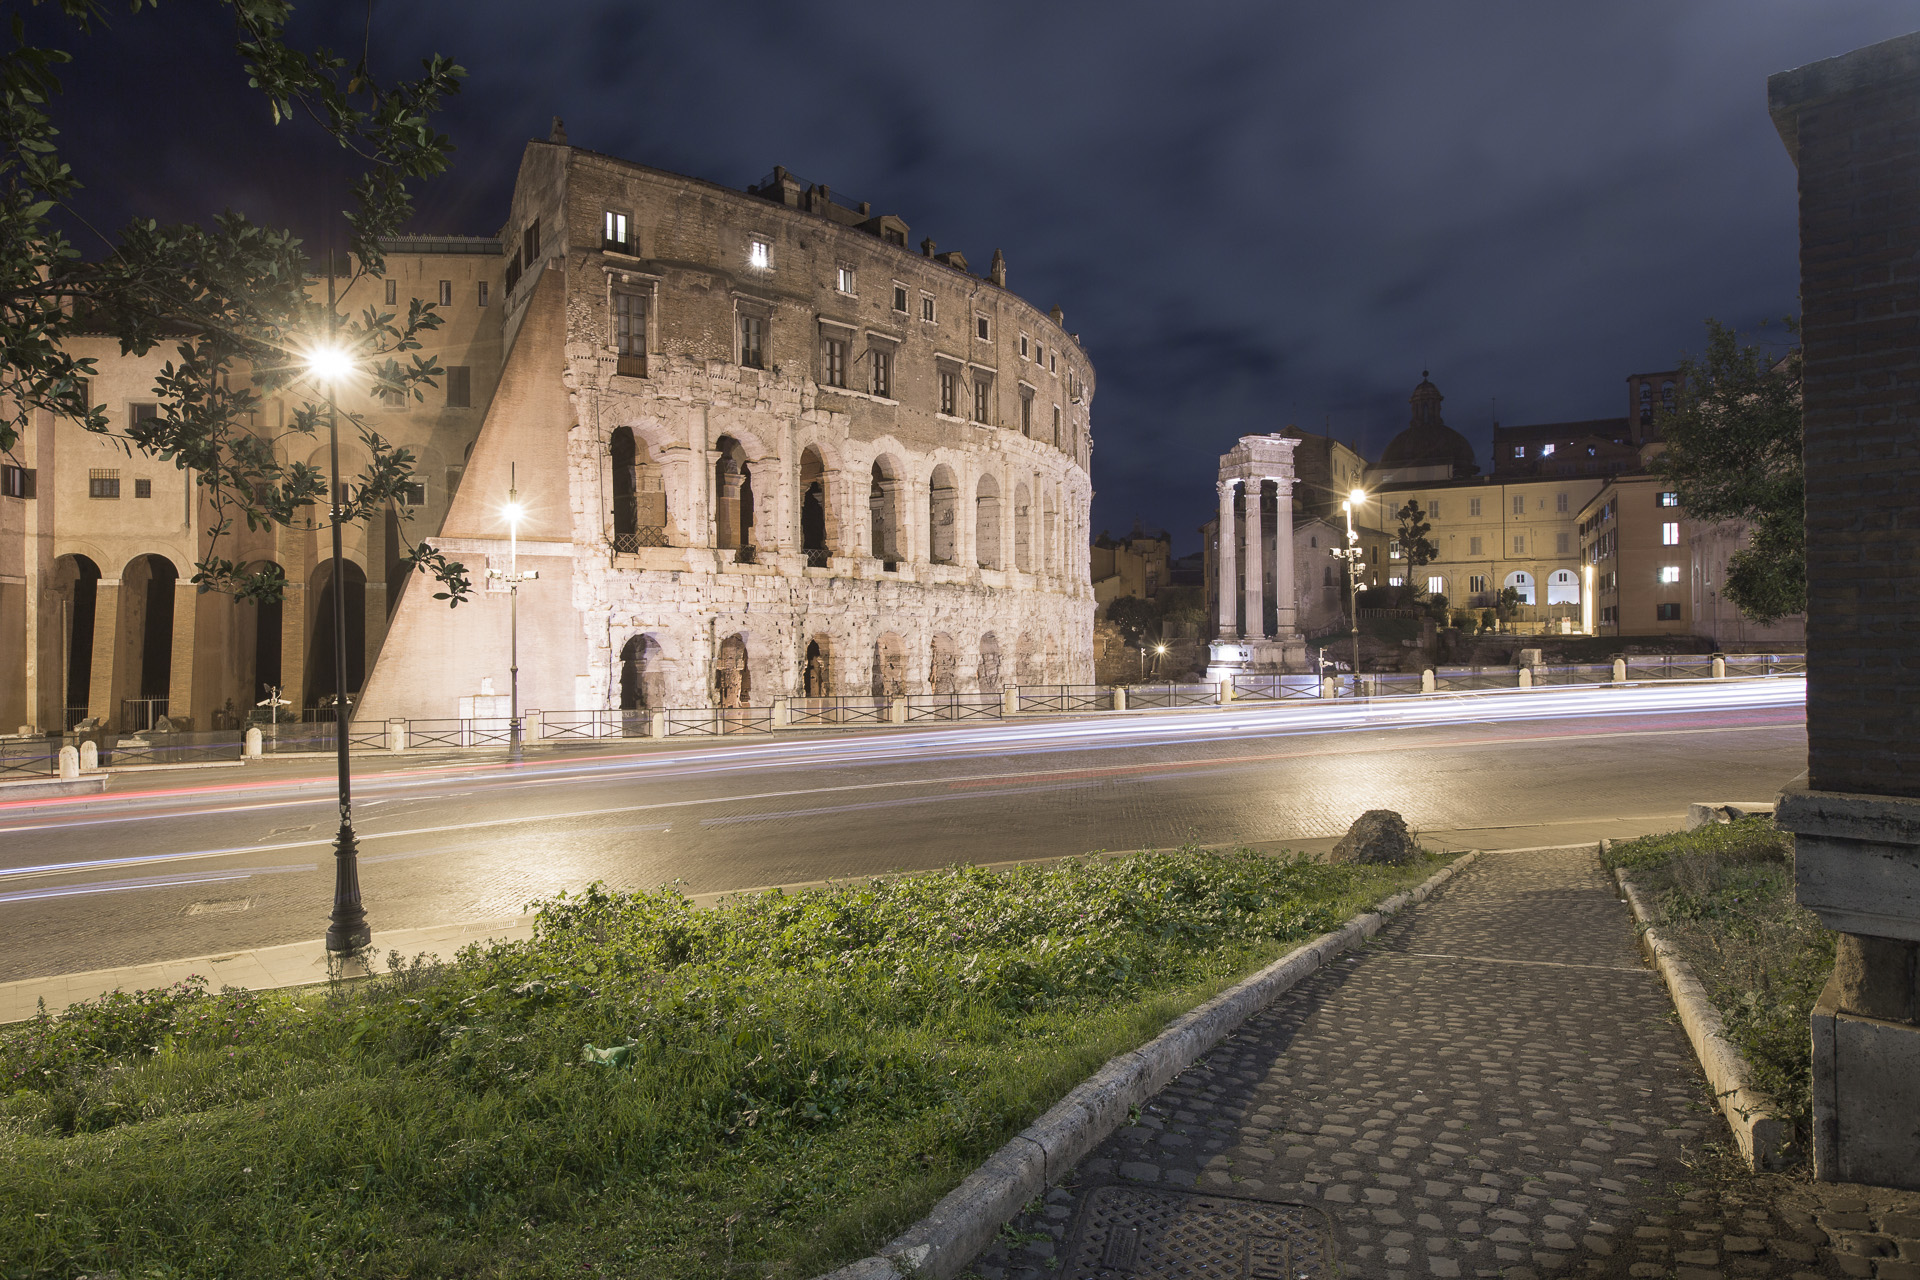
x=1396, y=684
x=1466, y=679
x=955, y=706
x=1172, y=695
x=586, y=726
x=1275, y=688
x=119, y=751
x=1766, y=664
x=696, y=721
x=838, y=709
x=1586, y=673
x=137, y=715
x=1066, y=697
x=477, y=732
x=29, y=757
x=1670, y=667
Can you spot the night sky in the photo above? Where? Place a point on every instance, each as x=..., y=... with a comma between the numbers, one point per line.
x=1252, y=213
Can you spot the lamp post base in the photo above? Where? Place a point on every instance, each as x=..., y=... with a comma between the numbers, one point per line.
x=347, y=930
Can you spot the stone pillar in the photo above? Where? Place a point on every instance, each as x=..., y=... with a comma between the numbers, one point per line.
x=726, y=514
x=1852, y=126
x=1224, y=562
x=106, y=646
x=295, y=627
x=1286, y=612
x=1256, y=570
x=186, y=603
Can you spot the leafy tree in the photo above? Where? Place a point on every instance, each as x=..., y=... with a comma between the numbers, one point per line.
x=1416, y=551
x=1136, y=618
x=1733, y=453
x=1507, y=603
x=234, y=299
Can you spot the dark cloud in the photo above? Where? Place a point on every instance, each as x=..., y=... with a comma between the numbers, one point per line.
x=1252, y=213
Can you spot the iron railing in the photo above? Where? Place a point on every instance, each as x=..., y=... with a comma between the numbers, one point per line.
x=683, y=721
x=646, y=535
x=1396, y=684
x=1275, y=688
x=578, y=726
x=137, y=715
x=1066, y=697
x=817, y=557
x=29, y=757
x=1669, y=667
x=955, y=706
x=1766, y=664
x=1172, y=695
x=474, y=732
x=1466, y=679
x=1583, y=673
x=838, y=709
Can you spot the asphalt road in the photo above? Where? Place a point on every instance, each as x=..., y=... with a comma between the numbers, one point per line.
x=192, y=863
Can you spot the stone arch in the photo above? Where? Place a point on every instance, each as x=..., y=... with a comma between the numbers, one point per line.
x=732, y=494
x=943, y=664
x=1563, y=587
x=76, y=583
x=321, y=678
x=144, y=642
x=889, y=665
x=1025, y=652
x=268, y=641
x=943, y=515
x=643, y=673
x=986, y=522
x=884, y=501
x=816, y=667
x=1522, y=581
x=732, y=673
x=816, y=506
x=1022, y=528
x=988, y=674
x=639, y=493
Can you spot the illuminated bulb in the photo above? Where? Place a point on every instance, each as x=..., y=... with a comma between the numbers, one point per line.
x=1357, y=497
x=513, y=511
x=329, y=364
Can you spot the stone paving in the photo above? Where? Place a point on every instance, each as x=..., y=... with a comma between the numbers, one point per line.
x=1496, y=1086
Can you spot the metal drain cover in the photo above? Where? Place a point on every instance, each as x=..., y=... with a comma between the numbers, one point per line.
x=1145, y=1233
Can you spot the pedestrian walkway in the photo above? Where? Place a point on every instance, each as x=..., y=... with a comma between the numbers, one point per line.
x=1495, y=1086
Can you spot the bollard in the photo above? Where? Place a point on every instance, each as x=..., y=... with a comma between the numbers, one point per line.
x=253, y=744
x=1526, y=678
x=1426, y=680
x=782, y=717
x=1010, y=700
x=1329, y=687
x=658, y=727
x=89, y=756
x=396, y=735
x=1719, y=667
x=897, y=711
x=69, y=764
x=532, y=727
x=1226, y=691
x=1619, y=670
x=1119, y=697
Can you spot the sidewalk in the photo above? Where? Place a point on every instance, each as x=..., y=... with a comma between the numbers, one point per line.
x=1496, y=1086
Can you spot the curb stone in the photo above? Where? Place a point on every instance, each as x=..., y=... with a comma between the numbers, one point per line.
x=966, y=1220
x=1764, y=1136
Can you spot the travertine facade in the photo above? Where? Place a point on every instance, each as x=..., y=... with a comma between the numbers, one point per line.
x=765, y=450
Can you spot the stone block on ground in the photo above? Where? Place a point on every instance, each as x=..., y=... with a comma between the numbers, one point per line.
x=1376, y=836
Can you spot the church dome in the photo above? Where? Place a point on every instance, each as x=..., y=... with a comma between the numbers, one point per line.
x=1428, y=441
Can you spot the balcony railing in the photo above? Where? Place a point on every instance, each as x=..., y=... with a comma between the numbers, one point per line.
x=646, y=535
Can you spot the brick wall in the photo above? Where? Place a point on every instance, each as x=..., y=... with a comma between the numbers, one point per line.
x=1853, y=126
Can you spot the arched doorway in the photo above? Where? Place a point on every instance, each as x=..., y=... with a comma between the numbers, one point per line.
x=732, y=681
x=146, y=641
x=1521, y=581
x=268, y=644
x=639, y=494
x=988, y=672
x=642, y=675
x=76, y=582
x=816, y=676
x=813, y=507
x=943, y=664
x=986, y=522
x=322, y=684
x=1563, y=587
x=943, y=502
x=889, y=666
x=733, y=495
x=883, y=502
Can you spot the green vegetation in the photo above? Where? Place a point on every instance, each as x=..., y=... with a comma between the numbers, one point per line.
x=768, y=1088
x=1725, y=897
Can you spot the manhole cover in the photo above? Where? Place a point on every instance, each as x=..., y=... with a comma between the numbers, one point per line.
x=1143, y=1233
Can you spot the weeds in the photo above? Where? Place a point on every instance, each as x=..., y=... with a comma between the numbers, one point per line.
x=766, y=1089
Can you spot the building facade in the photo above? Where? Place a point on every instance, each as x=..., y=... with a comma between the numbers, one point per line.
x=765, y=449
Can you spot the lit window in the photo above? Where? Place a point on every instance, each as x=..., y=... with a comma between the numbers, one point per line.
x=844, y=280
x=1437, y=586
x=1669, y=573
x=446, y=293
x=834, y=360
x=1546, y=451
x=1396, y=582
x=614, y=232
x=1670, y=534
x=760, y=255
x=1519, y=451
x=1668, y=499
x=1393, y=549
x=900, y=299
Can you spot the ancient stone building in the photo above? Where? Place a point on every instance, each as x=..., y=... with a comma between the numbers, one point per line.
x=764, y=449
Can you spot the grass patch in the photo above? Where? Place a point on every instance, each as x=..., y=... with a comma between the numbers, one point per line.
x=1724, y=895
x=769, y=1088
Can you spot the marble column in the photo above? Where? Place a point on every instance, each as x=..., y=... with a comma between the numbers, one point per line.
x=1224, y=563
x=180, y=675
x=1256, y=571
x=102, y=696
x=1286, y=613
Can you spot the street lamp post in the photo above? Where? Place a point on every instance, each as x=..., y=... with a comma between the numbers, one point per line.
x=1351, y=554
x=347, y=930
x=513, y=578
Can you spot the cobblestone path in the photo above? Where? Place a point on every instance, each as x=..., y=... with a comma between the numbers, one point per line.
x=1493, y=1087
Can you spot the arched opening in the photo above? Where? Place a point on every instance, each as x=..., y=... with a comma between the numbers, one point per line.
x=732, y=681
x=1022, y=529
x=813, y=507
x=988, y=673
x=943, y=664
x=268, y=644
x=986, y=522
x=733, y=495
x=322, y=681
x=1025, y=654
x=76, y=582
x=1563, y=587
x=943, y=515
x=146, y=640
x=883, y=503
x=816, y=678
x=643, y=676
x=1522, y=581
x=889, y=666
x=639, y=494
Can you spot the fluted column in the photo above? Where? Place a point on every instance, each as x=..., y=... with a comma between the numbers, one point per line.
x=1256, y=571
x=1229, y=588
x=1286, y=612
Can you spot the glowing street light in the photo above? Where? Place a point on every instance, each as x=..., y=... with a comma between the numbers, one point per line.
x=514, y=513
x=329, y=364
x=1351, y=554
